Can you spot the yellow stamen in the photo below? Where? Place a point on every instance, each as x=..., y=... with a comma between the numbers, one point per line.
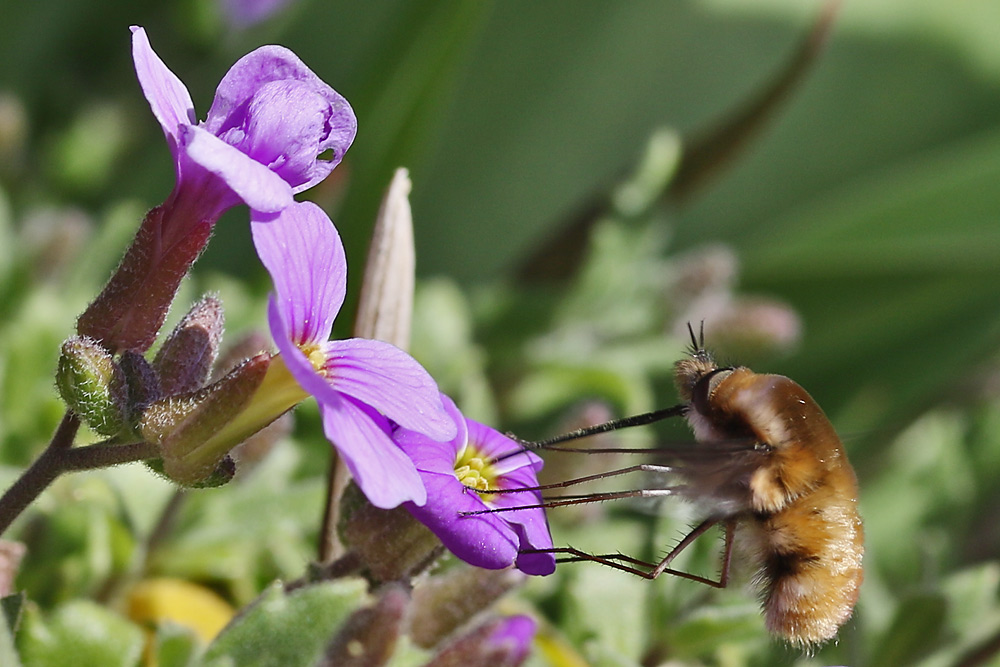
x=476, y=472
x=314, y=353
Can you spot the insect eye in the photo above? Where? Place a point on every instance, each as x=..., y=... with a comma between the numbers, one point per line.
x=701, y=395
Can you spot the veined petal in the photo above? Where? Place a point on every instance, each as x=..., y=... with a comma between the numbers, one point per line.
x=331, y=132
x=302, y=251
x=431, y=455
x=284, y=126
x=537, y=564
x=383, y=472
x=298, y=365
x=531, y=525
x=168, y=97
x=491, y=443
x=483, y=540
x=391, y=381
x=257, y=186
x=267, y=63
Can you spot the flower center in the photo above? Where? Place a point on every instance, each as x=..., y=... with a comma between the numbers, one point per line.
x=476, y=472
x=314, y=353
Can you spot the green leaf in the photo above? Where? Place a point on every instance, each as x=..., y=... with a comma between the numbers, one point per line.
x=12, y=606
x=79, y=633
x=914, y=632
x=288, y=629
x=894, y=276
x=247, y=533
x=8, y=653
x=972, y=598
x=176, y=646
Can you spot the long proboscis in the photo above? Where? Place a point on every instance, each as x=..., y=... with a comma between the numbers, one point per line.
x=562, y=501
x=613, y=425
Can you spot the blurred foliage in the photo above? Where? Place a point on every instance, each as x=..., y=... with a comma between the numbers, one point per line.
x=869, y=206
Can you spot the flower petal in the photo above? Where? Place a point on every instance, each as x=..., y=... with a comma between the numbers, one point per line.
x=531, y=525
x=167, y=95
x=382, y=471
x=330, y=127
x=257, y=186
x=302, y=251
x=298, y=365
x=490, y=442
x=431, y=455
x=388, y=379
x=483, y=540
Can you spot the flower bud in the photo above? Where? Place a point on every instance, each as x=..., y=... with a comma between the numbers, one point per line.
x=186, y=357
x=129, y=311
x=752, y=327
x=222, y=475
x=142, y=383
x=710, y=269
x=391, y=544
x=92, y=385
x=447, y=601
x=196, y=430
x=368, y=638
x=500, y=642
x=385, y=305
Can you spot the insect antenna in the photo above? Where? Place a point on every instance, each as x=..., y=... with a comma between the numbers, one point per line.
x=697, y=344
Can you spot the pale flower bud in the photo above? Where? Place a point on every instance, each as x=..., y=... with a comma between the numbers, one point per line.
x=385, y=306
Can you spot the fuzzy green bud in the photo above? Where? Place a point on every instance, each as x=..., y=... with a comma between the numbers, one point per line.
x=186, y=356
x=92, y=385
x=197, y=430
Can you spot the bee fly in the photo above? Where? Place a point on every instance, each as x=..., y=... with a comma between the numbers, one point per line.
x=768, y=462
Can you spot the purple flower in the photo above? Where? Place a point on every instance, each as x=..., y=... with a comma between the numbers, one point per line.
x=360, y=384
x=498, y=641
x=260, y=144
x=454, y=472
x=271, y=119
x=514, y=634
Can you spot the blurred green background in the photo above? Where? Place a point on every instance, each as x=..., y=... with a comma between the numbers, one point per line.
x=869, y=203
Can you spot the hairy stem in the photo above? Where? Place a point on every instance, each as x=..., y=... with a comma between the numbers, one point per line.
x=59, y=457
x=40, y=474
x=330, y=548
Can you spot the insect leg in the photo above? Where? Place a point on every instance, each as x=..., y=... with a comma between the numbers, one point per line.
x=650, y=570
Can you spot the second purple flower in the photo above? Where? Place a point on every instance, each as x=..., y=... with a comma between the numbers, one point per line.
x=360, y=384
x=458, y=475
